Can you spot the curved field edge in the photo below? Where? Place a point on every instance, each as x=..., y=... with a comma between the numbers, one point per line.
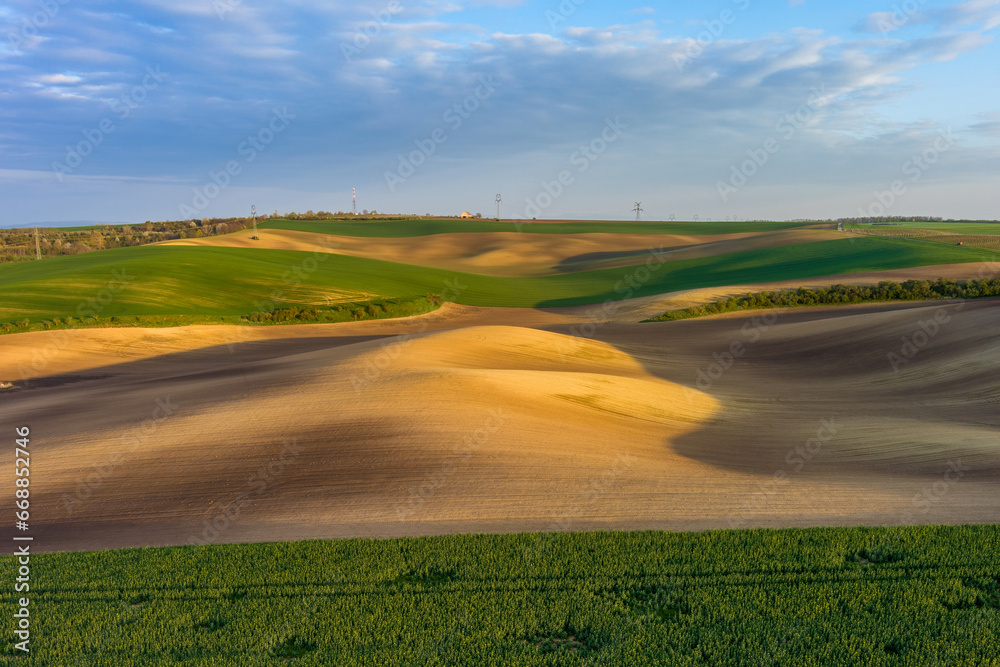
x=887, y=291
x=209, y=281
x=817, y=596
x=410, y=227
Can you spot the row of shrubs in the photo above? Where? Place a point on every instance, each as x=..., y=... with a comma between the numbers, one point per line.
x=370, y=310
x=11, y=327
x=44, y=325
x=18, y=245
x=887, y=290
x=21, y=326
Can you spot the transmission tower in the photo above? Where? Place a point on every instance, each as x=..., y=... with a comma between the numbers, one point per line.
x=638, y=211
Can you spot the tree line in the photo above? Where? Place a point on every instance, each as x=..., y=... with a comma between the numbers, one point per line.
x=18, y=245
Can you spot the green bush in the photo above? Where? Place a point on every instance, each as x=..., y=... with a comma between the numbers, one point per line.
x=370, y=310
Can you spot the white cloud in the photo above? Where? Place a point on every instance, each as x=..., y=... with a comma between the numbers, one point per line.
x=60, y=78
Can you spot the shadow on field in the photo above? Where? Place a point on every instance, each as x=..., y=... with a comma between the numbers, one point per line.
x=592, y=260
x=814, y=391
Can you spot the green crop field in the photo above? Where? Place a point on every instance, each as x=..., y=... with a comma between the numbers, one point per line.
x=949, y=227
x=986, y=236
x=908, y=596
x=411, y=227
x=211, y=281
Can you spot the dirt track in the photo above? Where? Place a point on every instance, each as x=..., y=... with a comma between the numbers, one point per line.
x=470, y=424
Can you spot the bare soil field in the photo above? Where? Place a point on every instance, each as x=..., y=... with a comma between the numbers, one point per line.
x=500, y=420
x=511, y=254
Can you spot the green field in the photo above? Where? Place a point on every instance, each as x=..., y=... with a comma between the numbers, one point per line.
x=950, y=227
x=230, y=282
x=410, y=227
x=913, y=596
x=979, y=235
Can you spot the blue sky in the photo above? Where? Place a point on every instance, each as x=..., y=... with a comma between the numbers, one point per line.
x=170, y=109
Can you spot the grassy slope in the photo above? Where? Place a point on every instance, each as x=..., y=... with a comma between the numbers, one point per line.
x=809, y=260
x=829, y=596
x=950, y=227
x=404, y=228
x=205, y=281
